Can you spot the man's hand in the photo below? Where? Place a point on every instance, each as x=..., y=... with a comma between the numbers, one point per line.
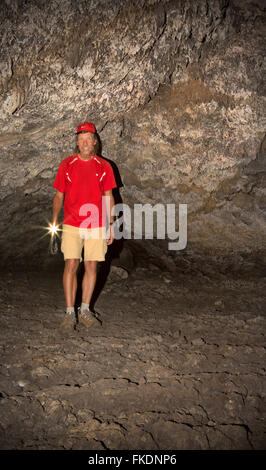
x=110, y=235
x=54, y=240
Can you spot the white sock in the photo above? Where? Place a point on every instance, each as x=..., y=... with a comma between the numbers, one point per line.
x=70, y=310
x=84, y=307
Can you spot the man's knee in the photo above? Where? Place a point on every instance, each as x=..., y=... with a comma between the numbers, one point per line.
x=90, y=266
x=71, y=265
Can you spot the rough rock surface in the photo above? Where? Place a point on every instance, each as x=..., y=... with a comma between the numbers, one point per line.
x=177, y=92
x=178, y=363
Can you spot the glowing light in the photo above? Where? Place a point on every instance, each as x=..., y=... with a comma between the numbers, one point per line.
x=53, y=229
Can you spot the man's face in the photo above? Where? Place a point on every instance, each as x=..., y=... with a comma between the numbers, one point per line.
x=86, y=143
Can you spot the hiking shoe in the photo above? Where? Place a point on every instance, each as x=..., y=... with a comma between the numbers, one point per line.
x=88, y=318
x=69, y=321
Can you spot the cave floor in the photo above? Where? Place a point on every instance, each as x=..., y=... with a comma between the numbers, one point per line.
x=178, y=363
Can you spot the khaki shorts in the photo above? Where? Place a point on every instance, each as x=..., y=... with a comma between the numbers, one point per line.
x=92, y=239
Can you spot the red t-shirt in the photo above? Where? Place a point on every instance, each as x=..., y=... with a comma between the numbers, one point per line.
x=84, y=183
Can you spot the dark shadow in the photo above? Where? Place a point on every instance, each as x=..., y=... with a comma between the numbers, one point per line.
x=116, y=247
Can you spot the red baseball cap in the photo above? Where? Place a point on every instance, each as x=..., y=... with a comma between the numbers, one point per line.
x=86, y=127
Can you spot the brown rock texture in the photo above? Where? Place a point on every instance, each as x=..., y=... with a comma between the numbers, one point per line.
x=177, y=92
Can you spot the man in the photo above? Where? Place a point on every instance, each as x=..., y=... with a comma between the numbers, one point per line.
x=82, y=182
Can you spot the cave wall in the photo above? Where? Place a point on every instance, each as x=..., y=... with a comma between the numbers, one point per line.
x=177, y=92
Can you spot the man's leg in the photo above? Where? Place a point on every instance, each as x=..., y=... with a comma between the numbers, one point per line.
x=70, y=281
x=89, y=280
x=71, y=246
x=70, y=289
x=95, y=248
x=87, y=317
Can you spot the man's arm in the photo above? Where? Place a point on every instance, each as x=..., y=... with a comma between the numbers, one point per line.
x=112, y=203
x=111, y=218
x=57, y=206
